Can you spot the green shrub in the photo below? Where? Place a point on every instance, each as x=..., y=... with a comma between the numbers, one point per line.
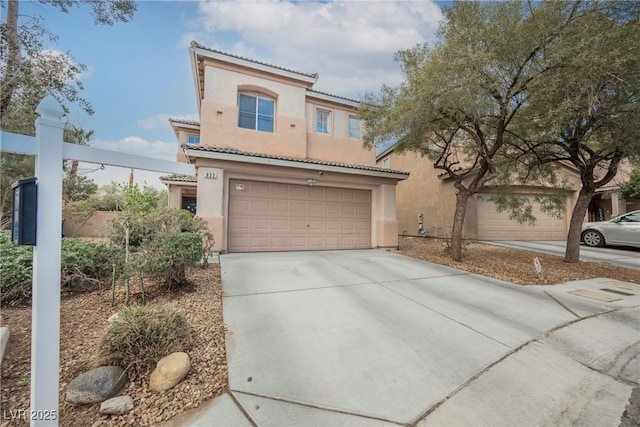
x=15, y=269
x=144, y=224
x=142, y=335
x=168, y=255
x=83, y=264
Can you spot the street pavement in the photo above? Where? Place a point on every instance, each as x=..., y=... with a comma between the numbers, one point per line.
x=616, y=255
x=375, y=338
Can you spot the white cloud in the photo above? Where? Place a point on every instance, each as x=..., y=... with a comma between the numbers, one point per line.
x=350, y=44
x=140, y=146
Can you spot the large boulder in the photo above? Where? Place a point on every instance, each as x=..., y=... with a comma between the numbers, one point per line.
x=170, y=371
x=116, y=405
x=96, y=385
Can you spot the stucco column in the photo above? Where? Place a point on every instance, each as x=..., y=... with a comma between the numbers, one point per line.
x=210, y=196
x=175, y=197
x=384, y=205
x=615, y=205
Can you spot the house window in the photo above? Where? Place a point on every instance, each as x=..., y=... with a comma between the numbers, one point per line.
x=354, y=127
x=193, y=139
x=323, y=120
x=386, y=163
x=256, y=112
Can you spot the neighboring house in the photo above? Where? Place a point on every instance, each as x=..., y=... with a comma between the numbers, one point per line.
x=606, y=203
x=279, y=166
x=426, y=203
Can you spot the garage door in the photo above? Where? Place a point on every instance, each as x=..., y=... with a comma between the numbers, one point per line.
x=493, y=225
x=267, y=216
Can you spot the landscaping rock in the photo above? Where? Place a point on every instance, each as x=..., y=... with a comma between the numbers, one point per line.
x=96, y=385
x=112, y=318
x=117, y=405
x=170, y=371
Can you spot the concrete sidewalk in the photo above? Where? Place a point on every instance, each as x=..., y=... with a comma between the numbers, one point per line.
x=375, y=338
x=618, y=256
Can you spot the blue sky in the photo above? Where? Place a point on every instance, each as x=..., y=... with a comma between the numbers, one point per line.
x=139, y=72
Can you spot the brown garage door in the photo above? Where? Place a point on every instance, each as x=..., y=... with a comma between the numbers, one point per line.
x=266, y=216
x=494, y=225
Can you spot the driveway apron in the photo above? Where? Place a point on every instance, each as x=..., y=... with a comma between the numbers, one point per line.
x=369, y=337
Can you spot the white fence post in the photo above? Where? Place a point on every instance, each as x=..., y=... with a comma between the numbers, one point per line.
x=49, y=149
x=45, y=305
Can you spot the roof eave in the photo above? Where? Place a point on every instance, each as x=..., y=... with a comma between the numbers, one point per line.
x=254, y=65
x=331, y=98
x=292, y=164
x=196, y=79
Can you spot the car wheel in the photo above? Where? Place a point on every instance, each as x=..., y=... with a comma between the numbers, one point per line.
x=593, y=238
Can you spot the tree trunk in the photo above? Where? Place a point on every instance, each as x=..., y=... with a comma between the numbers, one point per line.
x=13, y=57
x=73, y=172
x=462, y=197
x=572, y=253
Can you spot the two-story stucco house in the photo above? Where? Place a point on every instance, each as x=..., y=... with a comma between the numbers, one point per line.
x=279, y=166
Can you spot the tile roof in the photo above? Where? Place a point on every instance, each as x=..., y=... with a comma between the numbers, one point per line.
x=184, y=122
x=230, y=150
x=332, y=96
x=179, y=178
x=198, y=45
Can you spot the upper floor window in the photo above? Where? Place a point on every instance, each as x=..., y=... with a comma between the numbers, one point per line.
x=256, y=112
x=354, y=127
x=386, y=163
x=193, y=139
x=323, y=121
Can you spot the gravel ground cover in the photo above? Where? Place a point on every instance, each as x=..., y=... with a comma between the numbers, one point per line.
x=512, y=265
x=83, y=322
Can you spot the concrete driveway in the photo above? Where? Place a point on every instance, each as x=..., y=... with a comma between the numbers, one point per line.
x=374, y=338
x=615, y=255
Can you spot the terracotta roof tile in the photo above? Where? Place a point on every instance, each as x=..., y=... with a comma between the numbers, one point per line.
x=185, y=122
x=230, y=150
x=333, y=96
x=179, y=178
x=198, y=45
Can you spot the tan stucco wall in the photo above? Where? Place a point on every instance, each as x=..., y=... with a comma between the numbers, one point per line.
x=219, y=126
x=96, y=226
x=423, y=193
x=175, y=196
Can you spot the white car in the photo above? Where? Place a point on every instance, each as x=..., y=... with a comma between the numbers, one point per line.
x=623, y=230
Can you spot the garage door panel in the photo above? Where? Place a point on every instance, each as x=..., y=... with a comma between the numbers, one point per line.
x=257, y=206
x=297, y=207
x=275, y=216
x=332, y=225
x=279, y=224
x=493, y=225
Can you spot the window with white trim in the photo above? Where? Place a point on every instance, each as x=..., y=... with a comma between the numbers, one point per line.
x=354, y=127
x=386, y=163
x=193, y=139
x=256, y=112
x=323, y=121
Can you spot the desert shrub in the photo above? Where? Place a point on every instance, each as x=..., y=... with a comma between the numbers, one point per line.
x=168, y=254
x=15, y=269
x=144, y=224
x=83, y=264
x=142, y=335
